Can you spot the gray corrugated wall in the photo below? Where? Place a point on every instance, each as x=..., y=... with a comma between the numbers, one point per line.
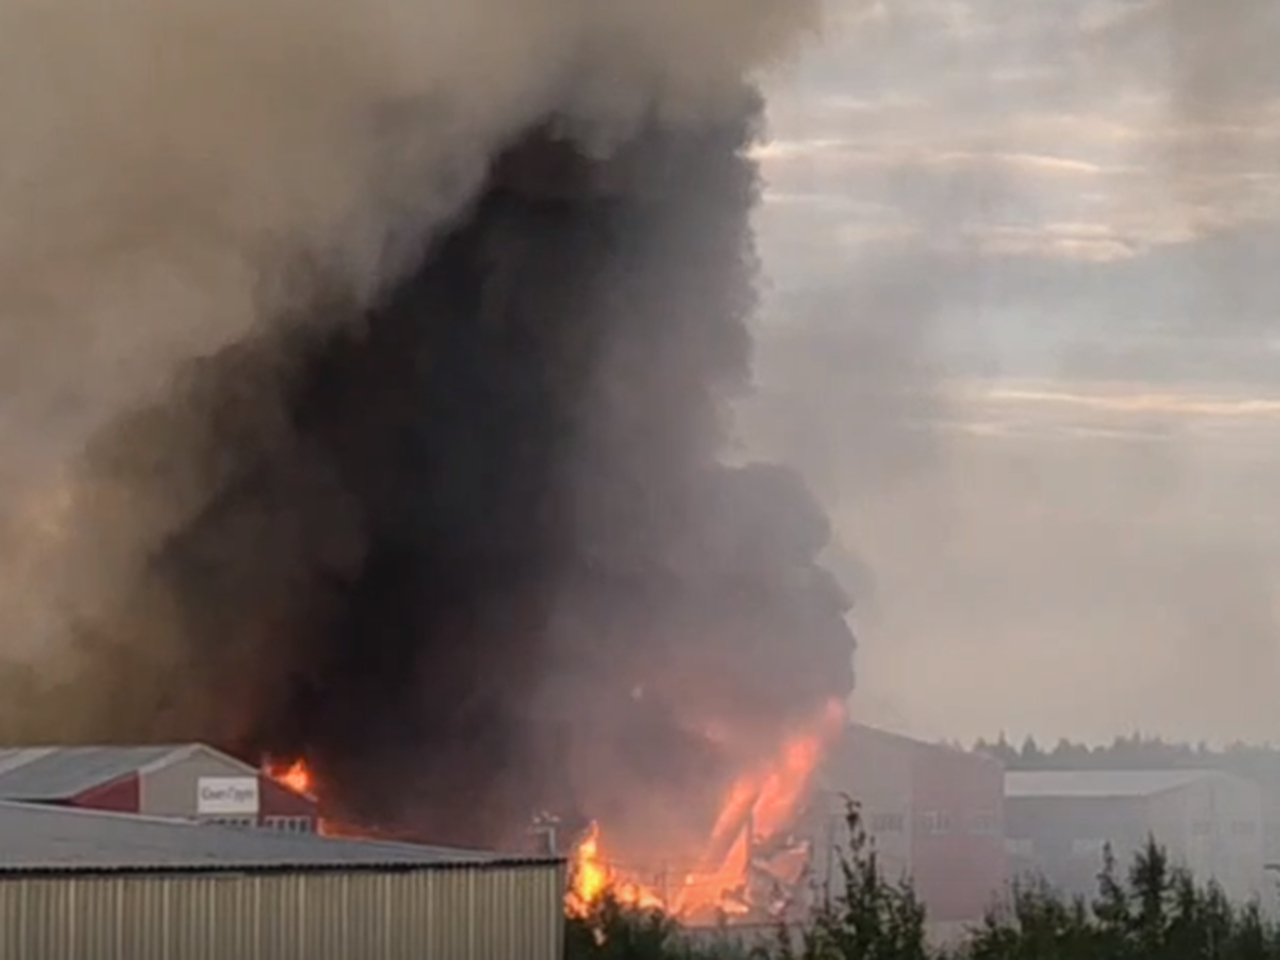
x=472, y=913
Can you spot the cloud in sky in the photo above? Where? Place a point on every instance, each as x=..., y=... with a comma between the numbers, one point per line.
x=1103, y=113
x=1022, y=332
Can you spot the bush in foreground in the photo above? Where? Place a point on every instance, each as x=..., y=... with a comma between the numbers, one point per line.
x=1154, y=911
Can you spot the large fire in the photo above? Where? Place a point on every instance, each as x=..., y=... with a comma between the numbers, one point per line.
x=297, y=776
x=742, y=848
x=758, y=808
x=593, y=876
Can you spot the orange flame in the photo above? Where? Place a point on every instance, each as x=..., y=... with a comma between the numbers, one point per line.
x=759, y=805
x=296, y=776
x=593, y=878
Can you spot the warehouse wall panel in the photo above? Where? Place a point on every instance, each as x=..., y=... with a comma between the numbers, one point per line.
x=170, y=791
x=509, y=912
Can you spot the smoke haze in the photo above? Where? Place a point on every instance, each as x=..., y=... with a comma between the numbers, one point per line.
x=367, y=375
x=181, y=176
x=369, y=369
x=1022, y=337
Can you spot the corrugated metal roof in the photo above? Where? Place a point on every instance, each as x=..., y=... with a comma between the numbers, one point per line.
x=61, y=773
x=1099, y=783
x=41, y=838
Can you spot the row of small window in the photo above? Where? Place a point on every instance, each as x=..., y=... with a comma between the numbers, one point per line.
x=1091, y=847
x=1018, y=847
x=1239, y=828
x=286, y=824
x=233, y=821
x=290, y=824
x=935, y=822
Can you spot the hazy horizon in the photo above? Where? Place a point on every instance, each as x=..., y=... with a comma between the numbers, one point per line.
x=1020, y=334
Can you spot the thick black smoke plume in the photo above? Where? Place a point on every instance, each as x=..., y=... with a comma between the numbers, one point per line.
x=474, y=551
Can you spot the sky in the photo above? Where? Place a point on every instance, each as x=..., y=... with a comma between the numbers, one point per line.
x=1021, y=331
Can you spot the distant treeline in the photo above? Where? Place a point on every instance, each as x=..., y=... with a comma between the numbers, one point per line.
x=1139, y=752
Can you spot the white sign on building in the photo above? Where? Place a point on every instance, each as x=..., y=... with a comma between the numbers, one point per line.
x=227, y=796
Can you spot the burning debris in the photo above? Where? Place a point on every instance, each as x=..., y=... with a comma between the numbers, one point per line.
x=296, y=776
x=751, y=864
x=448, y=516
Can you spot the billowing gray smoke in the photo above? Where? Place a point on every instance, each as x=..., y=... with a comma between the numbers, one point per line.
x=372, y=381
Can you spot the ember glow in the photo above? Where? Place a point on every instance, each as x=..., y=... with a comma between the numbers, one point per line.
x=404, y=406
x=594, y=876
x=759, y=808
x=747, y=843
x=296, y=776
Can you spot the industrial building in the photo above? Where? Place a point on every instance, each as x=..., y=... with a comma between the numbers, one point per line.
x=192, y=781
x=89, y=885
x=1057, y=824
x=934, y=813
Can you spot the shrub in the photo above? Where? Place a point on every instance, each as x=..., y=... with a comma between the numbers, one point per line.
x=1155, y=911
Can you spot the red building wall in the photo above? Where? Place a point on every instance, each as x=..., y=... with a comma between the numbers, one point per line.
x=125, y=796
x=957, y=849
x=118, y=796
x=276, y=800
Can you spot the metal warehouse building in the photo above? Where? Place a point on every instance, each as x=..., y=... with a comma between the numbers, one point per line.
x=1059, y=821
x=89, y=885
x=192, y=780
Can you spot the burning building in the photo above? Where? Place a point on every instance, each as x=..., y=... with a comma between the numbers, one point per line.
x=188, y=781
x=752, y=865
x=385, y=424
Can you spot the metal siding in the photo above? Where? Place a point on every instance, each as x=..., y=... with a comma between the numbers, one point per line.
x=60, y=773
x=171, y=790
x=470, y=913
x=1220, y=802
x=1099, y=783
x=38, y=837
x=1053, y=824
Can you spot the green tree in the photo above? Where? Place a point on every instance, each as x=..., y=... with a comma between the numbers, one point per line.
x=1151, y=911
x=1039, y=925
x=866, y=917
x=1154, y=912
x=616, y=932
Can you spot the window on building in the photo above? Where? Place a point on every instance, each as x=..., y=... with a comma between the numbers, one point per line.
x=936, y=821
x=231, y=821
x=1243, y=828
x=985, y=824
x=1271, y=835
x=1090, y=847
x=290, y=824
x=887, y=823
x=1201, y=828
x=1019, y=847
